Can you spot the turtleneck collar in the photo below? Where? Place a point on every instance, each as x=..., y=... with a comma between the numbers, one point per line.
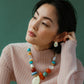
x=41, y=53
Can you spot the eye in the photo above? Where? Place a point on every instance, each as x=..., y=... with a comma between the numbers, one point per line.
x=44, y=24
x=34, y=17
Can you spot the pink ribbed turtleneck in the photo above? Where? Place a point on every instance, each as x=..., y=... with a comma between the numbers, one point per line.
x=14, y=64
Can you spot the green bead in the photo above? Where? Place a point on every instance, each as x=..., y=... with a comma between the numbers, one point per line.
x=45, y=74
x=28, y=49
x=31, y=62
x=53, y=62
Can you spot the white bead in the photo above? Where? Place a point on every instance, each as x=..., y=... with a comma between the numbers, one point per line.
x=30, y=57
x=36, y=80
x=31, y=65
x=54, y=58
x=51, y=67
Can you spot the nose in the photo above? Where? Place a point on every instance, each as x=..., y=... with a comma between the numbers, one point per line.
x=35, y=25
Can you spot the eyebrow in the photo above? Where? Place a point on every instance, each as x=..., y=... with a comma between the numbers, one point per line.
x=45, y=17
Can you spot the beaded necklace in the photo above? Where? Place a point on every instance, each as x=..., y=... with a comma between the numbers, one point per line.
x=39, y=75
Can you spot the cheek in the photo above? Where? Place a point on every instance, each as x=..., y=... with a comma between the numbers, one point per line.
x=47, y=34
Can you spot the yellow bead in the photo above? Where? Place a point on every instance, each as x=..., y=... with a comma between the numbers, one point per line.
x=52, y=64
x=29, y=53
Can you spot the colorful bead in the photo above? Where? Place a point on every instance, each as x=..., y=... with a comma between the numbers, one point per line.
x=36, y=80
x=28, y=49
x=41, y=76
x=33, y=69
x=54, y=58
x=45, y=74
x=31, y=65
x=51, y=67
x=29, y=53
x=48, y=70
x=34, y=73
x=31, y=62
x=53, y=62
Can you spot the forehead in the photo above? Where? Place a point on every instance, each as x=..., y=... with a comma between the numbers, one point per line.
x=48, y=10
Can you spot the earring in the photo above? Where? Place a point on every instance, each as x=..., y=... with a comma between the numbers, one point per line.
x=55, y=44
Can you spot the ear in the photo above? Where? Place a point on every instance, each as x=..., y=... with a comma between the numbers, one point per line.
x=60, y=37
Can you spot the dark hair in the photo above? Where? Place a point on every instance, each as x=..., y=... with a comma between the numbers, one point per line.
x=66, y=17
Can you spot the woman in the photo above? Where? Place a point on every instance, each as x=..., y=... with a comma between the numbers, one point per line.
x=49, y=55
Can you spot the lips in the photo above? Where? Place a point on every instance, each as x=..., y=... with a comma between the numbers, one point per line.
x=31, y=33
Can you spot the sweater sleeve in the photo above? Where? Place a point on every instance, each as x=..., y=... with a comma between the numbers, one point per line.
x=78, y=77
x=68, y=65
x=5, y=66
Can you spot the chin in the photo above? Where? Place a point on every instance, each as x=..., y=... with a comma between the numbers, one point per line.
x=29, y=40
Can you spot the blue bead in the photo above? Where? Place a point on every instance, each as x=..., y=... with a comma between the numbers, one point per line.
x=33, y=73
x=53, y=62
x=45, y=74
x=28, y=49
x=31, y=62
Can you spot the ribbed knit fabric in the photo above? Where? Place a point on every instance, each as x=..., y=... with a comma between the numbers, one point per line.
x=14, y=64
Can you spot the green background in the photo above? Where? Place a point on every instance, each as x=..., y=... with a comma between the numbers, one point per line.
x=14, y=18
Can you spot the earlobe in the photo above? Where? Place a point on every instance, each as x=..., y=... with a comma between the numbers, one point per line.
x=58, y=38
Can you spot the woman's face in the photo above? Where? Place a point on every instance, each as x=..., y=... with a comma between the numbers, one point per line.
x=44, y=25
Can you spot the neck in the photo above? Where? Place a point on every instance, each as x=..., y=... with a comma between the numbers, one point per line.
x=41, y=48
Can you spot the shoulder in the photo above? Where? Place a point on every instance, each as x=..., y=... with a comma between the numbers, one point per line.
x=19, y=44
x=15, y=46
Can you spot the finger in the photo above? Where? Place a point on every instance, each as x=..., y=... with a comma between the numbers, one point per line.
x=68, y=36
x=72, y=34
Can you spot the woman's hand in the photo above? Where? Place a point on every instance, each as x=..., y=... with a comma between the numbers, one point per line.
x=70, y=36
x=66, y=35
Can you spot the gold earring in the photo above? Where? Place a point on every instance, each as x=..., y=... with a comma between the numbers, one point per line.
x=55, y=44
